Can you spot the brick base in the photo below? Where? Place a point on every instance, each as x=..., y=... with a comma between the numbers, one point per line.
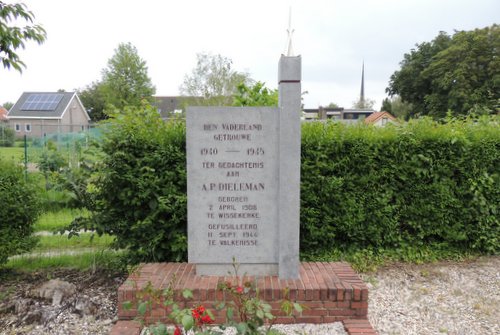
x=329, y=292
x=359, y=327
x=125, y=327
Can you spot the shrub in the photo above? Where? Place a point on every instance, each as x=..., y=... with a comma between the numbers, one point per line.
x=420, y=184
x=7, y=136
x=139, y=190
x=18, y=211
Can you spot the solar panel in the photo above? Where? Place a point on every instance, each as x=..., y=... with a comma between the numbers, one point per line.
x=42, y=102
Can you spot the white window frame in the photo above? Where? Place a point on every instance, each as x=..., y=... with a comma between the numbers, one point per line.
x=27, y=127
x=17, y=128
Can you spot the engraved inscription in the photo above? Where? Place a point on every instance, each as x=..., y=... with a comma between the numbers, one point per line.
x=232, y=184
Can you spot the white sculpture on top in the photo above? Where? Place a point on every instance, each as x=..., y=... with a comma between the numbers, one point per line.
x=289, y=48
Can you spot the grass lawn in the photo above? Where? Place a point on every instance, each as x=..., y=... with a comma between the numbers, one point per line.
x=56, y=220
x=83, y=261
x=83, y=252
x=12, y=153
x=17, y=154
x=86, y=240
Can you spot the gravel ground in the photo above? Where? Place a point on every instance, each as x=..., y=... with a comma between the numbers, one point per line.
x=441, y=298
x=336, y=328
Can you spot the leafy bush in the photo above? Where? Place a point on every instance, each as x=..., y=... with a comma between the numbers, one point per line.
x=409, y=187
x=51, y=164
x=138, y=193
x=18, y=211
x=7, y=136
x=417, y=184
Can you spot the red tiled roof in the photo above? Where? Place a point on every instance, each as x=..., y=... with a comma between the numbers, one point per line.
x=378, y=115
x=3, y=114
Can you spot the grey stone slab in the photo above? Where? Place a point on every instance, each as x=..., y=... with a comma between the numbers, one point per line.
x=232, y=166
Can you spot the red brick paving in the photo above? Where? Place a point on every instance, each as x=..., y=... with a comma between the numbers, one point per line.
x=329, y=291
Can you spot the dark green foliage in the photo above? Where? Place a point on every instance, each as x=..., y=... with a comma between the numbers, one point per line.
x=420, y=184
x=94, y=101
x=51, y=160
x=420, y=189
x=125, y=81
x=386, y=106
x=7, y=136
x=460, y=73
x=13, y=35
x=18, y=211
x=139, y=190
x=255, y=95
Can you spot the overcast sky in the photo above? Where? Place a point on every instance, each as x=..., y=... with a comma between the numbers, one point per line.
x=332, y=36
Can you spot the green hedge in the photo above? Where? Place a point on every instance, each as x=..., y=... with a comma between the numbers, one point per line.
x=7, y=136
x=19, y=209
x=138, y=193
x=421, y=183
x=416, y=184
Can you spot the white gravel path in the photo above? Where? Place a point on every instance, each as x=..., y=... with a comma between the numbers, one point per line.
x=443, y=298
x=336, y=328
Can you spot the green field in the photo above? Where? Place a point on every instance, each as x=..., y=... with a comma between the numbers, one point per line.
x=12, y=153
x=62, y=242
x=104, y=258
x=16, y=153
x=54, y=221
x=86, y=251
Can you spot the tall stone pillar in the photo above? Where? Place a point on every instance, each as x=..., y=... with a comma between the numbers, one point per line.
x=289, y=76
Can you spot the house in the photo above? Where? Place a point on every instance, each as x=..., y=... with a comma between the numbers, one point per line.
x=380, y=119
x=322, y=113
x=356, y=115
x=338, y=114
x=38, y=114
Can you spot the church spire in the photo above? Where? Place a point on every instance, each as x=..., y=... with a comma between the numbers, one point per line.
x=362, y=94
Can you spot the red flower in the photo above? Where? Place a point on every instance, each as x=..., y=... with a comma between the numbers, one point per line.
x=206, y=319
x=198, y=312
x=177, y=331
x=239, y=289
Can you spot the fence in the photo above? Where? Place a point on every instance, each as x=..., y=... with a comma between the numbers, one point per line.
x=29, y=148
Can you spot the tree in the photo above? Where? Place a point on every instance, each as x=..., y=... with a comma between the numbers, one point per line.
x=364, y=104
x=459, y=73
x=332, y=105
x=213, y=80
x=8, y=105
x=14, y=37
x=386, y=105
x=93, y=100
x=396, y=107
x=256, y=95
x=125, y=82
